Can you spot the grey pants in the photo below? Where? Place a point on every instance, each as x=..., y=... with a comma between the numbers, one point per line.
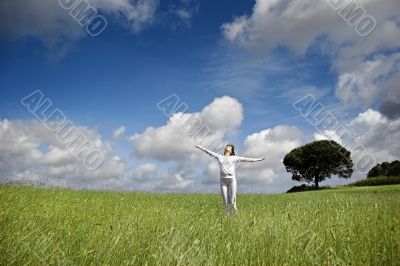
x=228, y=191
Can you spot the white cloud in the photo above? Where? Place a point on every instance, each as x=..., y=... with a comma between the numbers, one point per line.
x=370, y=130
x=146, y=177
x=145, y=172
x=373, y=139
x=390, y=105
x=364, y=83
x=298, y=23
x=224, y=113
x=26, y=18
x=273, y=143
x=21, y=19
x=265, y=176
x=176, y=139
x=22, y=157
x=366, y=66
x=118, y=132
x=47, y=21
x=175, y=181
x=328, y=134
x=378, y=135
x=174, y=143
x=30, y=152
x=169, y=143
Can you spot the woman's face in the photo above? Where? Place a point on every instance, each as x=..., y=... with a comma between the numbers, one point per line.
x=228, y=148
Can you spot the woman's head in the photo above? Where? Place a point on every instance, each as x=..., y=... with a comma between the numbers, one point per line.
x=229, y=149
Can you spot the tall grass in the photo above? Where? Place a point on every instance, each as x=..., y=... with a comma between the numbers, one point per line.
x=357, y=226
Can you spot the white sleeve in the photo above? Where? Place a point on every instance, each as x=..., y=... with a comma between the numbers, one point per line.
x=245, y=159
x=213, y=154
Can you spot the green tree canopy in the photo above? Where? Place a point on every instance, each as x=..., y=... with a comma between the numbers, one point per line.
x=385, y=169
x=318, y=160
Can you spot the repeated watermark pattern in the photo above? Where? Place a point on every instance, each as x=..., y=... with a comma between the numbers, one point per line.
x=326, y=123
x=355, y=15
x=85, y=15
x=65, y=132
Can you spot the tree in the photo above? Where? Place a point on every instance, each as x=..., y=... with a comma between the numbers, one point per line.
x=394, y=169
x=385, y=169
x=376, y=171
x=318, y=160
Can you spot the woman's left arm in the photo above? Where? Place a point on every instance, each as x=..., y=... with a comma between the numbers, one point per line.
x=245, y=159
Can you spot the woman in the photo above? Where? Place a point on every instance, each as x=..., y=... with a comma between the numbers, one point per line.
x=228, y=164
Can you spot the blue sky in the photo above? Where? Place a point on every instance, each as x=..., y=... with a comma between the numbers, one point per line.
x=200, y=51
x=133, y=70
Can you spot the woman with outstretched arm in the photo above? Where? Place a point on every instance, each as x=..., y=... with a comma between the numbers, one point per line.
x=228, y=163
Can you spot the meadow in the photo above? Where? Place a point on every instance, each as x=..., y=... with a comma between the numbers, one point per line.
x=341, y=226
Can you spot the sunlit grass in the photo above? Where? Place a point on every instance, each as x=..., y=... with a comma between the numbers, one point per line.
x=357, y=226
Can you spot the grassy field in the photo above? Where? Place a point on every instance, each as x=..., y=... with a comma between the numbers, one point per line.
x=347, y=226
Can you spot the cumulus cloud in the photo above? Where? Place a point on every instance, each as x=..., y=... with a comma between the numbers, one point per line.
x=390, y=104
x=297, y=24
x=273, y=143
x=177, y=180
x=145, y=172
x=30, y=152
x=175, y=140
x=147, y=177
x=224, y=114
x=365, y=65
x=364, y=83
x=390, y=107
x=265, y=176
x=167, y=143
x=173, y=143
x=371, y=137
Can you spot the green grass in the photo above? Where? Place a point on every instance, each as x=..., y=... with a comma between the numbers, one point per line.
x=377, y=181
x=347, y=226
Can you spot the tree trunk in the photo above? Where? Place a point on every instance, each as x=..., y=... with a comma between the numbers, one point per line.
x=316, y=182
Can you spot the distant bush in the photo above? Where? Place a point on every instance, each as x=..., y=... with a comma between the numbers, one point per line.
x=377, y=181
x=305, y=188
x=385, y=169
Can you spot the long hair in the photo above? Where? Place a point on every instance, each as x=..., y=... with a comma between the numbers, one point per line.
x=233, y=149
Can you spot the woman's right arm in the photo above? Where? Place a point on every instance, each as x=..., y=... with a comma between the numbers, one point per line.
x=213, y=154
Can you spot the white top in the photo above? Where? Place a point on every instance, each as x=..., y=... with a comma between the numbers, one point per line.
x=228, y=164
